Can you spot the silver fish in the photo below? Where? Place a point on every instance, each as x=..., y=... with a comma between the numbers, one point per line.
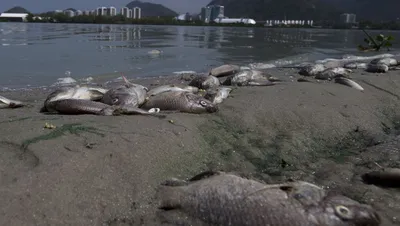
x=172, y=87
x=331, y=73
x=205, y=82
x=312, y=70
x=348, y=82
x=355, y=65
x=224, y=70
x=217, y=198
x=180, y=101
x=8, y=103
x=377, y=68
x=249, y=78
x=77, y=92
x=79, y=106
x=218, y=95
x=387, y=61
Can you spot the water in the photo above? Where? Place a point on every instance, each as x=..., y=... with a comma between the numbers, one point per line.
x=35, y=55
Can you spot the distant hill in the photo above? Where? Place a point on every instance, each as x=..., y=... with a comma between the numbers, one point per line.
x=278, y=9
x=17, y=9
x=151, y=9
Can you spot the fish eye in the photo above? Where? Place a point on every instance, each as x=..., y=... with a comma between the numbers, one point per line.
x=203, y=103
x=343, y=212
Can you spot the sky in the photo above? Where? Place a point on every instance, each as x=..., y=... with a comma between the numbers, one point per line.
x=37, y=6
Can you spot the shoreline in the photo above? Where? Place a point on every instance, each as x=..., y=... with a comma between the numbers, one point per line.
x=103, y=170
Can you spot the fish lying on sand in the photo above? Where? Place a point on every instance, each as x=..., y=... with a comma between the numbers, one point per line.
x=172, y=87
x=79, y=106
x=180, y=101
x=129, y=97
x=7, y=103
x=377, y=68
x=77, y=92
x=348, y=82
x=312, y=70
x=217, y=198
x=224, y=70
x=388, y=177
x=331, y=73
x=218, y=95
x=387, y=61
x=205, y=82
x=355, y=65
x=249, y=78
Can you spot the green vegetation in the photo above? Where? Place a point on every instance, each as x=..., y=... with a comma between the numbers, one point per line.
x=375, y=44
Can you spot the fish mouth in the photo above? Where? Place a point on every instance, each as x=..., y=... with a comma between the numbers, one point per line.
x=212, y=109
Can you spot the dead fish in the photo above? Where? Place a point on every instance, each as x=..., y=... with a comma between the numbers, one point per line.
x=249, y=78
x=217, y=198
x=331, y=73
x=172, y=87
x=180, y=101
x=224, y=70
x=388, y=177
x=79, y=106
x=355, y=65
x=129, y=94
x=77, y=92
x=387, y=61
x=8, y=103
x=205, y=82
x=348, y=82
x=312, y=70
x=377, y=68
x=218, y=95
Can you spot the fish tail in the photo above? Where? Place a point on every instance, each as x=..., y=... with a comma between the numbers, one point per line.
x=169, y=196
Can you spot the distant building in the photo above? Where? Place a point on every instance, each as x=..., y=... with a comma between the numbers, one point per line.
x=87, y=12
x=69, y=13
x=184, y=17
x=101, y=11
x=111, y=11
x=212, y=12
x=348, y=18
x=137, y=13
x=125, y=12
x=58, y=11
x=234, y=20
x=15, y=17
x=78, y=13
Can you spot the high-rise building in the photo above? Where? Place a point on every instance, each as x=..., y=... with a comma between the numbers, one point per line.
x=137, y=13
x=348, y=18
x=111, y=11
x=125, y=12
x=212, y=12
x=101, y=11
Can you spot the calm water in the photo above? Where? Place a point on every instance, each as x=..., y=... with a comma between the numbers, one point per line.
x=37, y=54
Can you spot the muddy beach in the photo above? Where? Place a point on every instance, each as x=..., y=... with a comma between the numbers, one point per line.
x=103, y=170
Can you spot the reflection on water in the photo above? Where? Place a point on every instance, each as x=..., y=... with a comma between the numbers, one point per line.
x=43, y=52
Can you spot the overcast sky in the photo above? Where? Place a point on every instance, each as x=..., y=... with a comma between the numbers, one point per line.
x=36, y=6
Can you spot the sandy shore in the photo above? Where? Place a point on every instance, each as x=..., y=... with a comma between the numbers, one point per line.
x=100, y=170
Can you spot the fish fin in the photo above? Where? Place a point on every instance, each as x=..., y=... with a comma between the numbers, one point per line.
x=169, y=197
x=204, y=175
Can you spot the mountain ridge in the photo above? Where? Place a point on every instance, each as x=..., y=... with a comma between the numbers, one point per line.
x=152, y=9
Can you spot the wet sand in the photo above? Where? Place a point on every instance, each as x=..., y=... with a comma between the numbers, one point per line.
x=103, y=170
